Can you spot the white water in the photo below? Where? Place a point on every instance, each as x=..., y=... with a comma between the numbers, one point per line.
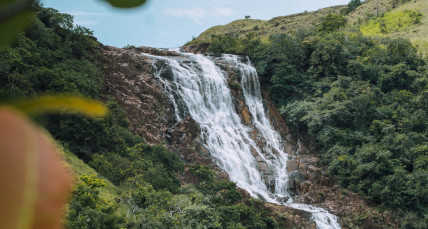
x=199, y=88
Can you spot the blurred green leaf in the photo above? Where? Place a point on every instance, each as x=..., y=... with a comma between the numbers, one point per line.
x=15, y=16
x=126, y=3
x=60, y=103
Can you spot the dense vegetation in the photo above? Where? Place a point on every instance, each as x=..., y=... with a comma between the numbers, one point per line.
x=54, y=56
x=363, y=101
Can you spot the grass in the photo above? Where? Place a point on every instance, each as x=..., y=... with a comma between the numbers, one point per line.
x=78, y=167
x=391, y=22
x=368, y=10
x=409, y=20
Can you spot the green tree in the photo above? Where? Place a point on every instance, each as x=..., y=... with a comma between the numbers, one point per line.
x=332, y=23
x=352, y=5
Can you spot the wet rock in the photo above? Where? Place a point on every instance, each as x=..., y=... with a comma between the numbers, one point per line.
x=292, y=166
x=246, y=115
x=155, y=51
x=262, y=166
x=292, y=184
x=167, y=73
x=254, y=152
x=283, y=200
x=311, y=160
x=197, y=49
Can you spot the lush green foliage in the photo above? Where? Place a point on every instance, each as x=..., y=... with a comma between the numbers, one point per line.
x=51, y=57
x=332, y=23
x=231, y=43
x=88, y=210
x=156, y=163
x=211, y=204
x=367, y=112
x=363, y=102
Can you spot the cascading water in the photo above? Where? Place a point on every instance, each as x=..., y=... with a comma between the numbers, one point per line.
x=197, y=87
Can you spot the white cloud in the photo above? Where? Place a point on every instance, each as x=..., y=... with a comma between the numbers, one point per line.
x=85, y=22
x=218, y=11
x=84, y=18
x=195, y=14
x=83, y=13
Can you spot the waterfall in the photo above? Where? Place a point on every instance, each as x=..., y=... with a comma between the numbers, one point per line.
x=198, y=87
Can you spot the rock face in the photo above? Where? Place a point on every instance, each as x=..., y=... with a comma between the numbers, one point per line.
x=129, y=78
x=197, y=49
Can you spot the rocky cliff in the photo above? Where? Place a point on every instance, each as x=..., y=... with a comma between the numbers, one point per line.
x=129, y=78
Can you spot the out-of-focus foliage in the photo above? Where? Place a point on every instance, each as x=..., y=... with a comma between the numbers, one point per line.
x=35, y=183
x=16, y=15
x=126, y=3
x=364, y=104
x=66, y=104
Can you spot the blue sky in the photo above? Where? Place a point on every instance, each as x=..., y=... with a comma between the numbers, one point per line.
x=171, y=23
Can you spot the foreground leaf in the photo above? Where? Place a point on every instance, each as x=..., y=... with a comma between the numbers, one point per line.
x=15, y=16
x=70, y=104
x=126, y=3
x=34, y=181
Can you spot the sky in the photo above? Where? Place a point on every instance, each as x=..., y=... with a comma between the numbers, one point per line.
x=172, y=23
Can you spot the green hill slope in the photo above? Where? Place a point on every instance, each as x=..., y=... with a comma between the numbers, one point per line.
x=397, y=16
x=408, y=21
x=109, y=192
x=263, y=29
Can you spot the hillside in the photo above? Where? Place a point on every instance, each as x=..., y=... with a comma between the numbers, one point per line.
x=366, y=18
x=263, y=29
x=408, y=20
